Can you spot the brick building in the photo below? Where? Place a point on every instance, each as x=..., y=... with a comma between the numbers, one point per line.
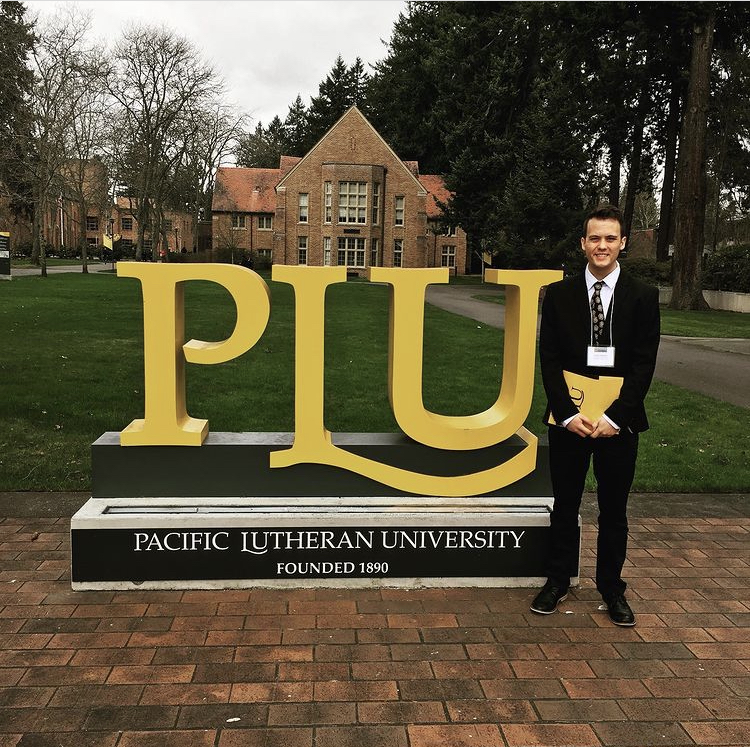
x=177, y=230
x=84, y=211
x=350, y=201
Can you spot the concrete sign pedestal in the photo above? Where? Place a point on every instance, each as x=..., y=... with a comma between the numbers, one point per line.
x=219, y=517
x=277, y=542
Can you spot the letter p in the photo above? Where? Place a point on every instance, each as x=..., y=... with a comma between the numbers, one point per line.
x=166, y=421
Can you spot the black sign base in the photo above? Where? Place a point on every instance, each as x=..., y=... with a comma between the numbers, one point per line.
x=277, y=542
x=233, y=522
x=237, y=464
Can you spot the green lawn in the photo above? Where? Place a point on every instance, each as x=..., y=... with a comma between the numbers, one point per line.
x=704, y=323
x=489, y=298
x=72, y=368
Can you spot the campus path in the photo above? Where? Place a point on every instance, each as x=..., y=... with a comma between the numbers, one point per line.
x=56, y=269
x=719, y=368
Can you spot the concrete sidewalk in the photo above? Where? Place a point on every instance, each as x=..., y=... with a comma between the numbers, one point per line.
x=385, y=668
x=58, y=269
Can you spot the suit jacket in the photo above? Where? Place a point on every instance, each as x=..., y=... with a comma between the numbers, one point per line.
x=566, y=334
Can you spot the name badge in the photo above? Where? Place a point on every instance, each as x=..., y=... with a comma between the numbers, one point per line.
x=601, y=357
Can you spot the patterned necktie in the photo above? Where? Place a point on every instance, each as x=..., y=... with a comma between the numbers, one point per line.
x=597, y=312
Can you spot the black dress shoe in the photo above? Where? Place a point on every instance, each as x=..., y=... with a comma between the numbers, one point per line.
x=546, y=601
x=619, y=611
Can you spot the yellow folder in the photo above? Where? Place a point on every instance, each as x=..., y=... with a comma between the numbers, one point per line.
x=591, y=396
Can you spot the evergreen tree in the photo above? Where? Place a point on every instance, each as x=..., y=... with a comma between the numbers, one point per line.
x=406, y=85
x=335, y=96
x=513, y=135
x=16, y=82
x=264, y=147
x=296, y=128
x=358, y=82
x=719, y=35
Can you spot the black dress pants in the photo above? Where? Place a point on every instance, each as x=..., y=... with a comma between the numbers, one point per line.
x=614, y=468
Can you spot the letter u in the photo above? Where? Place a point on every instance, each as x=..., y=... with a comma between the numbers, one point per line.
x=405, y=363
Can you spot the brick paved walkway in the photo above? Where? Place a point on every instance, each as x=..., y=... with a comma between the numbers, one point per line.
x=392, y=668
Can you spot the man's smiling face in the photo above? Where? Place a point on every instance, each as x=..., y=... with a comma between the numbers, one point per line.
x=602, y=245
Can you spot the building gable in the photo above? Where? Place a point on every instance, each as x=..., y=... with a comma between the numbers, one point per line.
x=354, y=140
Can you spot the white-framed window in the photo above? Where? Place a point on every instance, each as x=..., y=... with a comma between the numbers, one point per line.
x=374, y=250
x=327, y=251
x=302, y=250
x=448, y=256
x=126, y=243
x=264, y=254
x=126, y=223
x=238, y=221
x=376, y=203
x=351, y=251
x=265, y=222
x=449, y=231
x=304, y=198
x=92, y=223
x=327, y=202
x=352, y=202
x=92, y=240
x=398, y=252
x=399, y=211
x=168, y=224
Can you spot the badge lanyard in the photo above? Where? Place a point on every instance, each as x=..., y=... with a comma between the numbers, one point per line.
x=602, y=356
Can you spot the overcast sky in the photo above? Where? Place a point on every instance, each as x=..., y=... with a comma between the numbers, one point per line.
x=267, y=51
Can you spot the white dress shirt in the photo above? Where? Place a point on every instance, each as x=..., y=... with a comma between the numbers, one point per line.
x=608, y=287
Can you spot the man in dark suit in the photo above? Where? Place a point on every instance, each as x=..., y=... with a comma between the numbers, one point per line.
x=601, y=322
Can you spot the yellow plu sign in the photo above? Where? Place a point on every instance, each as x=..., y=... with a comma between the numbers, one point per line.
x=166, y=421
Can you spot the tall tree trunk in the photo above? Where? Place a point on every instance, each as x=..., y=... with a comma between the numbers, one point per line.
x=139, y=243
x=719, y=173
x=42, y=205
x=82, y=235
x=687, y=282
x=667, y=189
x=38, y=250
x=636, y=152
x=615, y=162
x=35, y=234
x=634, y=173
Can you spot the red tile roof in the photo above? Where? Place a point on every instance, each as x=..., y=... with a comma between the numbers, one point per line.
x=413, y=166
x=436, y=190
x=245, y=190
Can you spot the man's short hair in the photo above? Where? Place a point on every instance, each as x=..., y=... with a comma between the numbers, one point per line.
x=604, y=212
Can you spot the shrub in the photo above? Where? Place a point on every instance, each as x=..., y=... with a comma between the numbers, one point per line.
x=728, y=269
x=69, y=252
x=649, y=270
x=190, y=257
x=23, y=249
